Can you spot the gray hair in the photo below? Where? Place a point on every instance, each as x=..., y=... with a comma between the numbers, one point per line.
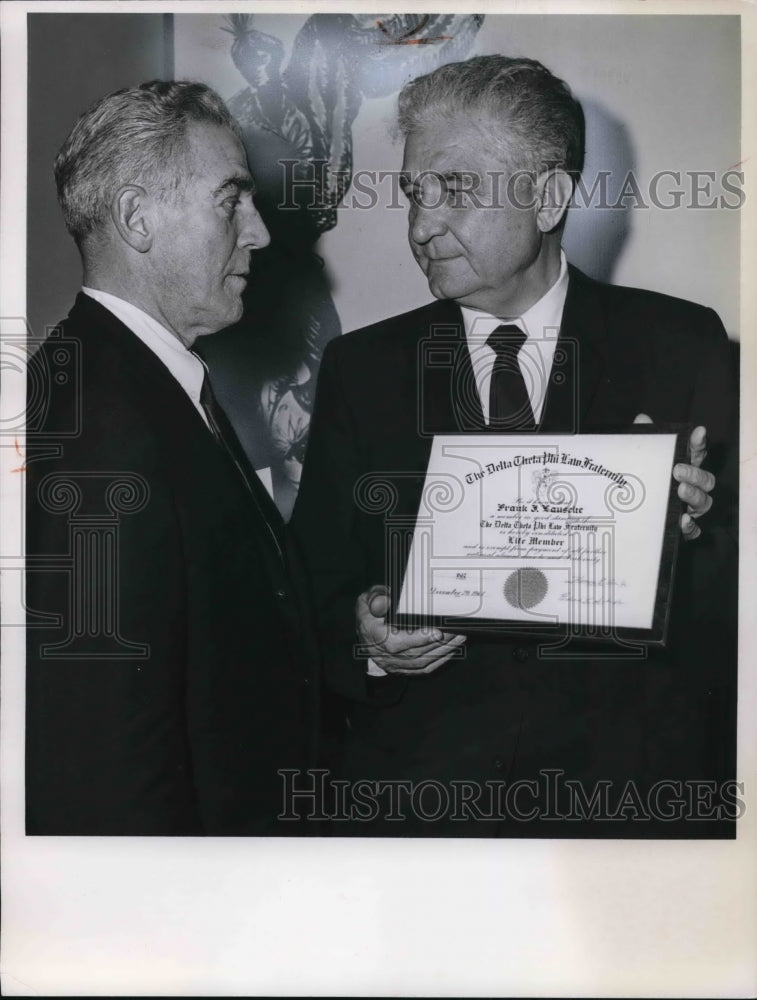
x=542, y=123
x=134, y=136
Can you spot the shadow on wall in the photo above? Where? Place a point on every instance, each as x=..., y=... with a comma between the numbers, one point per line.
x=296, y=124
x=264, y=368
x=596, y=233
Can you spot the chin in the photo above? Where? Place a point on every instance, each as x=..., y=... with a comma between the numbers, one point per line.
x=234, y=314
x=229, y=318
x=448, y=290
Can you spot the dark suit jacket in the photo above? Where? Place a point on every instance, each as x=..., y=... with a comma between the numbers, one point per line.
x=180, y=677
x=505, y=711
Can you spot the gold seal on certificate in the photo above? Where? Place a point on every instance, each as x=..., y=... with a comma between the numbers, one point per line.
x=545, y=531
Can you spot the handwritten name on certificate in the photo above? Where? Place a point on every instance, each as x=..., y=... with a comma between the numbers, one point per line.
x=547, y=530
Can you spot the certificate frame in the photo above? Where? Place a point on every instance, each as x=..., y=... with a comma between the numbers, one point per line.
x=592, y=636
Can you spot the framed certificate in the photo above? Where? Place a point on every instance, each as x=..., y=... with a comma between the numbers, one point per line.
x=544, y=534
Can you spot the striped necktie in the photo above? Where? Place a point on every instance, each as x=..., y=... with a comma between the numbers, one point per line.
x=226, y=437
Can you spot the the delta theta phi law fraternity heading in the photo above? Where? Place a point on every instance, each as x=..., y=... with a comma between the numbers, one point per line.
x=574, y=531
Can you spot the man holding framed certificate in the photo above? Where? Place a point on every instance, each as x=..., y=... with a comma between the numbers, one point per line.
x=483, y=479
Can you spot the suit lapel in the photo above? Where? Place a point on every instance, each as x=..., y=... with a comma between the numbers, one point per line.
x=579, y=359
x=449, y=399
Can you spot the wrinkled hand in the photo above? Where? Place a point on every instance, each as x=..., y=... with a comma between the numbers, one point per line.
x=400, y=651
x=694, y=483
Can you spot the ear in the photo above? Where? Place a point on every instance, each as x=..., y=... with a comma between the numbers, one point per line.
x=130, y=211
x=554, y=189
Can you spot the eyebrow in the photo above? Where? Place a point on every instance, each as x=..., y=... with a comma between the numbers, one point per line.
x=237, y=182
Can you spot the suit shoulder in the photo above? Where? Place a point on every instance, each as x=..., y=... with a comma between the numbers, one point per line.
x=646, y=321
x=84, y=395
x=641, y=304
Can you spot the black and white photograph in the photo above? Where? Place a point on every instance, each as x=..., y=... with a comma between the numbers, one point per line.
x=371, y=531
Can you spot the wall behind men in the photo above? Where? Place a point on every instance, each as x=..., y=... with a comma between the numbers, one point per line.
x=661, y=93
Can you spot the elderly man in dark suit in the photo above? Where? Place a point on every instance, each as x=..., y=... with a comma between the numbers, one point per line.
x=180, y=677
x=492, y=148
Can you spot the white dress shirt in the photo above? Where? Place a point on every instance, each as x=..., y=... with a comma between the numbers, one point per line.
x=186, y=367
x=541, y=325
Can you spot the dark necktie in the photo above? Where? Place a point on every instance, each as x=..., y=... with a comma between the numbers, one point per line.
x=226, y=437
x=509, y=403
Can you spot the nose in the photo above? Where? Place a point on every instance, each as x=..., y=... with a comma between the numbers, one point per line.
x=253, y=233
x=426, y=222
